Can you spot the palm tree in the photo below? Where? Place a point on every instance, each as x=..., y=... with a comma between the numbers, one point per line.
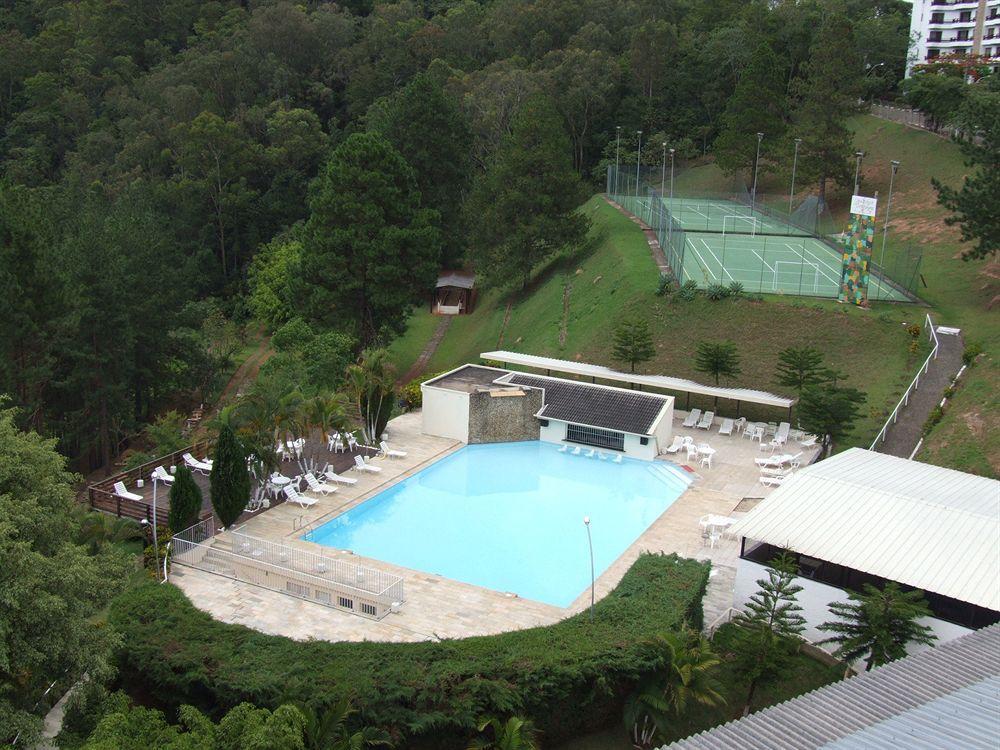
x=98, y=529
x=684, y=676
x=879, y=624
x=372, y=383
x=326, y=729
x=319, y=415
x=514, y=734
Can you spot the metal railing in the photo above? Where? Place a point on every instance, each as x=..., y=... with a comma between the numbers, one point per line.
x=354, y=588
x=914, y=384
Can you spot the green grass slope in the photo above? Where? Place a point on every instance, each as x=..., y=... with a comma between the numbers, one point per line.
x=573, y=304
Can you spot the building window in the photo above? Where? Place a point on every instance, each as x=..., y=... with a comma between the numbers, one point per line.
x=609, y=439
x=963, y=35
x=965, y=16
x=935, y=36
x=933, y=53
x=937, y=17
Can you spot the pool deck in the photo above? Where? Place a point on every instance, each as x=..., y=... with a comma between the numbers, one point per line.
x=438, y=608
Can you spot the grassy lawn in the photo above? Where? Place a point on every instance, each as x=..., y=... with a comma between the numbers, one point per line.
x=405, y=350
x=571, y=306
x=804, y=674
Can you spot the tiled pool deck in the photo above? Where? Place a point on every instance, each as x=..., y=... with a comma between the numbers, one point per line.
x=437, y=607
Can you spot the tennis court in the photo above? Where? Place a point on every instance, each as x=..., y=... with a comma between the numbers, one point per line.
x=704, y=215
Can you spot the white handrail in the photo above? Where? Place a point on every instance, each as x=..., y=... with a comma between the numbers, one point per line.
x=911, y=387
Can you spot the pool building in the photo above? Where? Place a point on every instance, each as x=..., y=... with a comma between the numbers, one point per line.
x=476, y=404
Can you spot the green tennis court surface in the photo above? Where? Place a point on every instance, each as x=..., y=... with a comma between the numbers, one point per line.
x=704, y=215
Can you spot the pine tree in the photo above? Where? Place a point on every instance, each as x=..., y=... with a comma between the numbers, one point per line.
x=717, y=359
x=798, y=368
x=524, y=208
x=230, y=478
x=766, y=630
x=758, y=105
x=829, y=410
x=632, y=342
x=185, y=500
x=879, y=624
x=827, y=94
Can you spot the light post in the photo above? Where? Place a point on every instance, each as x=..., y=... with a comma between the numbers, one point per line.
x=857, y=169
x=638, y=160
x=756, y=164
x=670, y=224
x=590, y=542
x=885, y=227
x=663, y=169
x=795, y=163
x=156, y=547
x=618, y=143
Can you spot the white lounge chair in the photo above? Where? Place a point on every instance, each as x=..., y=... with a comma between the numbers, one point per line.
x=315, y=485
x=294, y=497
x=674, y=446
x=781, y=436
x=195, y=465
x=361, y=465
x=775, y=472
x=726, y=428
x=387, y=451
x=122, y=492
x=773, y=481
x=773, y=461
x=162, y=475
x=808, y=442
x=692, y=418
x=618, y=458
x=330, y=475
x=706, y=420
x=563, y=448
x=591, y=453
x=576, y=451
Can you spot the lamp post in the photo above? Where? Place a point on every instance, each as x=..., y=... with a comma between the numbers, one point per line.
x=618, y=143
x=663, y=170
x=885, y=227
x=156, y=547
x=795, y=163
x=638, y=160
x=857, y=169
x=670, y=224
x=756, y=164
x=590, y=543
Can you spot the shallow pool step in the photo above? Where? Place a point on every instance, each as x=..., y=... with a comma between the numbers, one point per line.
x=676, y=479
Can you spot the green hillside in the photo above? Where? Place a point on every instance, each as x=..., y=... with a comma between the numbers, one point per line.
x=573, y=304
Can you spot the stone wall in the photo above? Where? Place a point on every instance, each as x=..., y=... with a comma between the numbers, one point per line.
x=504, y=416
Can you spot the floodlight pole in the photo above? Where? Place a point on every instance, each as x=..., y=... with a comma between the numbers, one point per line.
x=885, y=227
x=857, y=169
x=590, y=543
x=670, y=224
x=795, y=163
x=756, y=164
x=663, y=170
x=156, y=547
x=618, y=143
x=638, y=160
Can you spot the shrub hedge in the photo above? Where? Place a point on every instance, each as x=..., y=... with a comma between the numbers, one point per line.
x=569, y=678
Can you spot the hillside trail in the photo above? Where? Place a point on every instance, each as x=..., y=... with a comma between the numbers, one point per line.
x=418, y=367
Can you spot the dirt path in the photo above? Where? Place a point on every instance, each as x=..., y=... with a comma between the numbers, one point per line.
x=564, y=325
x=902, y=437
x=245, y=375
x=420, y=365
x=503, y=326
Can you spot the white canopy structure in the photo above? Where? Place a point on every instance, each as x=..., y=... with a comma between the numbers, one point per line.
x=549, y=364
x=925, y=526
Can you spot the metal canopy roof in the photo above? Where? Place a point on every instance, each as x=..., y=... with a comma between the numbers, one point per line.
x=653, y=381
x=925, y=526
x=942, y=698
x=457, y=279
x=595, y=405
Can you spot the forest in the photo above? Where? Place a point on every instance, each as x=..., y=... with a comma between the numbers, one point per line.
x=173, y=172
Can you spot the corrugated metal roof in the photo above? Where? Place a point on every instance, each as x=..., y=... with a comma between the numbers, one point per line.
x=654, y=381
x=943, y=698
x=929, y=527
x=595, y=405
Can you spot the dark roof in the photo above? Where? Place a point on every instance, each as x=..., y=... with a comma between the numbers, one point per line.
x=595, y=405
x=945, y=697
x=458, y=279
x=467, y=379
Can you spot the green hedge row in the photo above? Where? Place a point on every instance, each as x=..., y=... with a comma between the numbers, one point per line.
x=569, y=677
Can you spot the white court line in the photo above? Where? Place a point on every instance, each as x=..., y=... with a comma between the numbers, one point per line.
x=820, y=261
x=761, y=259
x=703, y=263
x=709, y=248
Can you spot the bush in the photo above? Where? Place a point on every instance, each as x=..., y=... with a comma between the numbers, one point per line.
x=755, y=297
x=569, y=678
x=736, y=289
x=932, y=419
x=971, y=352
x=293, y=336
x=411, y=395
x=716, y=292
x=688, y=290
x=665, y=285
x=913, y=330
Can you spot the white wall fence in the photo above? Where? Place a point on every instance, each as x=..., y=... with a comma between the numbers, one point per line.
x=914, y=384
x=350, y=587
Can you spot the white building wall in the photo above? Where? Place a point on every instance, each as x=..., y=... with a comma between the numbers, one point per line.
x=664, y=432
x=445, y=413
x=555, y=432
x=815, y=599
x=945, y=23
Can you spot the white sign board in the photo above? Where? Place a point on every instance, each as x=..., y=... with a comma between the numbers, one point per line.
x=863, y=205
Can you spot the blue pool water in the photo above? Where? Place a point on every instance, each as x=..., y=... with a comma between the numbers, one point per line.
x=509, y=517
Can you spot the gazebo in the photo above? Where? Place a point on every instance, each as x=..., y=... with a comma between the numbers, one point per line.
x=454, y=294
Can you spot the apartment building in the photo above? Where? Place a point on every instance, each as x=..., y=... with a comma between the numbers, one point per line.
x=943, y=28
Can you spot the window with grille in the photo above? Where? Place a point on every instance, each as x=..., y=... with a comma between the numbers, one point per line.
x=368, y=609
x=609, y=439
x=296, y=589
x=344, y=602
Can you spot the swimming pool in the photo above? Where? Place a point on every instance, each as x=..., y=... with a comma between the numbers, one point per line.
x=509, y=517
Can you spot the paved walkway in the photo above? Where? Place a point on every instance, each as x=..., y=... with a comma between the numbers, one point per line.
x=903, y=436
